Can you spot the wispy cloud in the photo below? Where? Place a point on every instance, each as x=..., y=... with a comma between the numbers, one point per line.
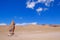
x=33, y=23
x=15, y=17
x=3, y=24
x=32, y=4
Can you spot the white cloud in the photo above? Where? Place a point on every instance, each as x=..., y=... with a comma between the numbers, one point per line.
x=3, y=24
x=48, y=2
x=52, y=0
x=32, y=4
x=33, y=23
x=39, y=9
x=41, y=1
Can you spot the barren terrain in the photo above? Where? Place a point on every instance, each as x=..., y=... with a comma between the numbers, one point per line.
x=31, y=32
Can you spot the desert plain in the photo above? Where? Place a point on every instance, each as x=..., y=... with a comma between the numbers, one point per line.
x=31, y=32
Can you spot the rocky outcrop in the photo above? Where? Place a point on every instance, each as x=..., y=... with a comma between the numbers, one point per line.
x=11, y=28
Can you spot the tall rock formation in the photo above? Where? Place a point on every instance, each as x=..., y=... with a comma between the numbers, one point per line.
x=11, y=28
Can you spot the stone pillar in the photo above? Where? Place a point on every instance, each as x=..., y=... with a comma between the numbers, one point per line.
x=11, y=28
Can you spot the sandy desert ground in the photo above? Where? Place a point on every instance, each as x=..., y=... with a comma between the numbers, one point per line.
x=31, y=32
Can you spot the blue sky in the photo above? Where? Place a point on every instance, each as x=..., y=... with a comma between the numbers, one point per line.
x=20, y=12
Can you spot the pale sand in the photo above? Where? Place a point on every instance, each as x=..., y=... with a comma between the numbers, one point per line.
x=31, y=33
x=34, y=35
